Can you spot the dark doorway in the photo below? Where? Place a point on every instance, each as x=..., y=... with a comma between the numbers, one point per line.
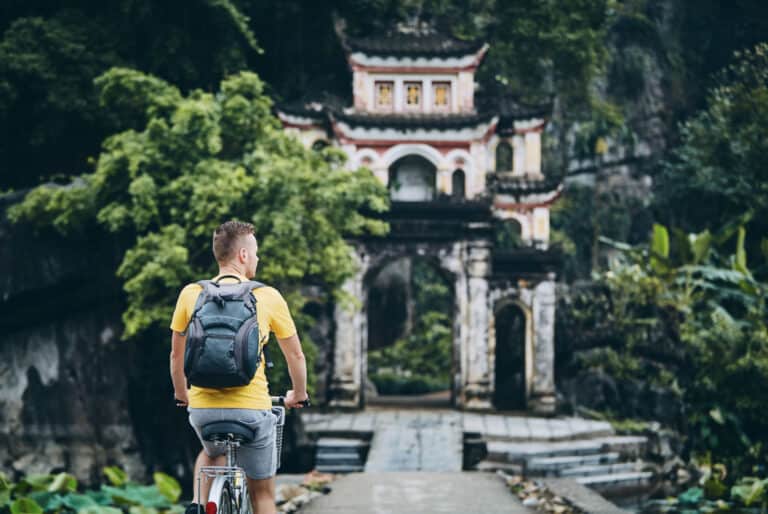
x=412, y=179
x=509, y=386
x=458, y=181
x=504, y=157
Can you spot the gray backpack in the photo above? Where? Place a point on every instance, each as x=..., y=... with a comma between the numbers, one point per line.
x=223, y=346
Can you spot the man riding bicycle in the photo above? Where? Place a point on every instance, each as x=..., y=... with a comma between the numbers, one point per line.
x=235, y=249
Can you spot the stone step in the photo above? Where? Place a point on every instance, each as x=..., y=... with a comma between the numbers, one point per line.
x=493, y=466
x=341, y=468
x=337, y=454
x=627, y=446
x=628, y=479
x=553, y=465
x=518, y=452
x=598, y=469
x=340, y=444
x=336, y=461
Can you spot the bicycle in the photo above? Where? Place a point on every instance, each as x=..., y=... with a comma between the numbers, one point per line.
x=229, y=489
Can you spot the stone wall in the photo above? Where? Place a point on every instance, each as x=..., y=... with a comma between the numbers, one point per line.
x=64, y=394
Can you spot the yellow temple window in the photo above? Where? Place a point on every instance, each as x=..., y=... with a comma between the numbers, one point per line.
x=384, y=94
x=441, y=95
x=412, y=95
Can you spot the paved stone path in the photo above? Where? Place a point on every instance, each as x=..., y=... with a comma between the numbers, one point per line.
x=491, y=426
x=416, y=441
x=417, y=493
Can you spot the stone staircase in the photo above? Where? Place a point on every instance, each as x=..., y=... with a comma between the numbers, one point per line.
x=604, y=463
x=588, y=451
x=341, y=454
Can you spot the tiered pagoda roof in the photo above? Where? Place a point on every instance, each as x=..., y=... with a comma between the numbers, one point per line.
x=326, y=107
x=511, y=108
x=412, y=120
x=413, y=45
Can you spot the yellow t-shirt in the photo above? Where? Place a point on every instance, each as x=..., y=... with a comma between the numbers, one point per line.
x=273, y=316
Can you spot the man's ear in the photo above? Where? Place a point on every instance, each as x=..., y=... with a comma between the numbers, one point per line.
x=243, y=253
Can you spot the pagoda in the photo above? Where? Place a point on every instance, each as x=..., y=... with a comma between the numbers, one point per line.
x=458, y=170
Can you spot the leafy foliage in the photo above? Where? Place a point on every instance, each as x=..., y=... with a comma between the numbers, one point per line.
x=38, y=494
x=719, y=170
x=684, y=315
x=198, y=160
x=50, y=54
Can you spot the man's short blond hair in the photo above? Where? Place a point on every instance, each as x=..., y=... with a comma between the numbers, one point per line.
x=226, y=237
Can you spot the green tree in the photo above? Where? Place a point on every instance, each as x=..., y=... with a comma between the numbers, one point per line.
x=200, y=159
x=684, y=313
x=720, y=168
x=50, y=121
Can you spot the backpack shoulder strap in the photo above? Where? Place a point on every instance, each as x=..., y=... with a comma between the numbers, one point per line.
x=254, y=284
x=207, y=291
x=210, y=292
x=245, y=291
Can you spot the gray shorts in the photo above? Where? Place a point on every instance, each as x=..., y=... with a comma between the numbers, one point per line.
x=259, y=458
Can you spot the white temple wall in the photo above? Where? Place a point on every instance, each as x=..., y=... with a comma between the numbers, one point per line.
x=533, y=153
x=541, y=225
x=466, y=91
x=518, y=155
x=363, y=100
x=476, y=181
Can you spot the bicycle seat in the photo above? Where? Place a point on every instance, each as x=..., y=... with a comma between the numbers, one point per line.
x=221, y=430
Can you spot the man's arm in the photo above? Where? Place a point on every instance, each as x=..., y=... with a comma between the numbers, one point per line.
x=178, y=343
x=297, y=368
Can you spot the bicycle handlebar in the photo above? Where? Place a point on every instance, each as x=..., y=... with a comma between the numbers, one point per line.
x=280, y=400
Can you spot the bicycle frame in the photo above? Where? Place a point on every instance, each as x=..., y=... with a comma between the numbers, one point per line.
x=231, y=475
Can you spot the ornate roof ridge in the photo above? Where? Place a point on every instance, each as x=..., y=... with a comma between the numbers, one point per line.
x=413, y=44
x=512, y=106
x=507, y=183
x=408, y=119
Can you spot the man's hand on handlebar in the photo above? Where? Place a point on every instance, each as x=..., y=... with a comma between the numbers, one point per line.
x=181, y=398
x=293, y=401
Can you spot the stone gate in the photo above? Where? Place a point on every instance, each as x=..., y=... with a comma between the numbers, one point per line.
x=467, y=193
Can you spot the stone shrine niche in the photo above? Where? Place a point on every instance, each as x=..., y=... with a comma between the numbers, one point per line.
x=504, y=157
x=458, y=185
x=412, y=179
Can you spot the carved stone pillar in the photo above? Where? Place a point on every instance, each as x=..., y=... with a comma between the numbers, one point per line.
x=346, y=383
x=542, y=399
x=477, y=388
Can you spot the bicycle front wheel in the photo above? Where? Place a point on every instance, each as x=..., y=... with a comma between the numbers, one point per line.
x=245, y=506
x=221, y=495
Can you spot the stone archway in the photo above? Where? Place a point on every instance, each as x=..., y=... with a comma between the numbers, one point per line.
x=512, y=356
x=409, y=311
x=466, y=264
